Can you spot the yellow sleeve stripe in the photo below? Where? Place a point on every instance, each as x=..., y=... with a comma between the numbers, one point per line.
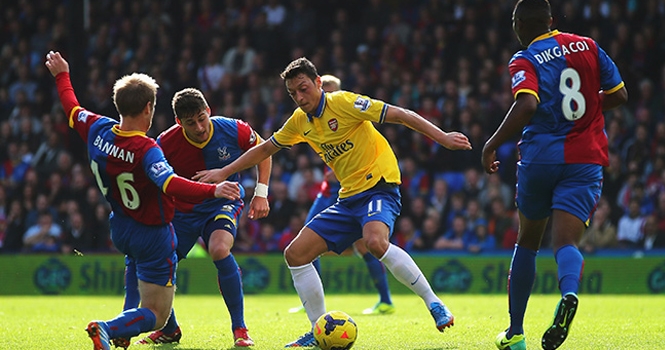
x=384, y=111
x=71, y=116
x=279, y=145
x=527, y=91
x=166, y=183
x=614, y=89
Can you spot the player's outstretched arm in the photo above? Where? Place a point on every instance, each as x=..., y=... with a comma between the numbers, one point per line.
x=254, y=156
x=181, y=187
x=451, y=140
x=259, y=206
x=517, y=117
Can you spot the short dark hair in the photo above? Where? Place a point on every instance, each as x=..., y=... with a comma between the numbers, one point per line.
x=533, y=12
x=188, y=103
x=300, y=66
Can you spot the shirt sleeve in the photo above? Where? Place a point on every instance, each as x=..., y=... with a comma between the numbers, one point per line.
x=610, y=79
x=161, y=173
x=79, y=118
x=523, y=77
x=362, y=107
x=289, y=134
x=247, y=137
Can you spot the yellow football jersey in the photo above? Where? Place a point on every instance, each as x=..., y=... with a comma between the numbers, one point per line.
x=342, y=133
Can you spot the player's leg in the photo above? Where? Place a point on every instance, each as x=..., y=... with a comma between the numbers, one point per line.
x=377, y=271
x=299, y=255
x=320, y=203
x=570, y=264
x=132, y=297
x=156, y=263
x=406, y=271
x=377, y=214
x=156, y=303
x=534, y=202
x=188, y=234
x=521, y=277
x=575, y=199
x=223, y=230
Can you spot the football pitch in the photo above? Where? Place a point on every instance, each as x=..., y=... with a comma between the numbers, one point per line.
x=603, y=322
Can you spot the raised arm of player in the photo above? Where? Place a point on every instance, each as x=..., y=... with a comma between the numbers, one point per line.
x=254, y=156
x=57, y=65
x=176, y=185
x=451, y=140
x=518, y=116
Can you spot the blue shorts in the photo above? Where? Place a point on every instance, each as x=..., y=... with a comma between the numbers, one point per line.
x=190, y=226
x=573, y=188
x=342, y=223
x=320, y=203
x=151, y=248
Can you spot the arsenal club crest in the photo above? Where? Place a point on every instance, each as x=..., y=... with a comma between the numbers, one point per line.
x=332, y=123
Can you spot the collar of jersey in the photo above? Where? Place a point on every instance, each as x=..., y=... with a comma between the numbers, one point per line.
x=319, y=110
x=116, y=130
x=545, y=36
x=196, y=144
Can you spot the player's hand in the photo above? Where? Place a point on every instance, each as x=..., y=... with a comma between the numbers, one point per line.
x=55, y=63
x=228, y=189
x=456, y=141
x=258, y=208
x=212, y=176
x=490, y=164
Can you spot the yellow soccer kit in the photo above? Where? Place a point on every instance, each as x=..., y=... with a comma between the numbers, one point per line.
x=342, y=133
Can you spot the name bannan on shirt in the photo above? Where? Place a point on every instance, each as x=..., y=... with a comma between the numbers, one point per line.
x=553, y=52
x=113, y=150
x=330, y=152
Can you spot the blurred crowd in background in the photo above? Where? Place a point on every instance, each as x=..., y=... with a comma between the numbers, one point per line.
x=445, y=59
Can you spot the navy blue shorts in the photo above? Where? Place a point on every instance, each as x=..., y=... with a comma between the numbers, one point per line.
x=342, y=223
x=152, y=248
x=573, y=188
x=190, y=226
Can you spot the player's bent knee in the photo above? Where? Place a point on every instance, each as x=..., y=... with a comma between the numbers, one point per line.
x=219, y=252
x=376, y=246
x=293, y=258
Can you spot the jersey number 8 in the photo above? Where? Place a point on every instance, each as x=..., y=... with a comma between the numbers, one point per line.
x=572, y=97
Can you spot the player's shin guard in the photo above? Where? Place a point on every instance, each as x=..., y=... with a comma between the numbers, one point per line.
x=310, y=290
x=230, y=285
x=378, y=274
x=405, y=270
x=131, y=322
x=570, y=266
x=520, y=281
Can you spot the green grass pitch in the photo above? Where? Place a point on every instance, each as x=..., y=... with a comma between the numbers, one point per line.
x=603, y=322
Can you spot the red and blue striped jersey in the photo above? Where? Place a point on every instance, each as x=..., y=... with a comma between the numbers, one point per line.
x=229, y=139
x=129, y=167
x=565, y=72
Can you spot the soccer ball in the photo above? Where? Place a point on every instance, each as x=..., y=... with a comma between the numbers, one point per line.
x=335, y=330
